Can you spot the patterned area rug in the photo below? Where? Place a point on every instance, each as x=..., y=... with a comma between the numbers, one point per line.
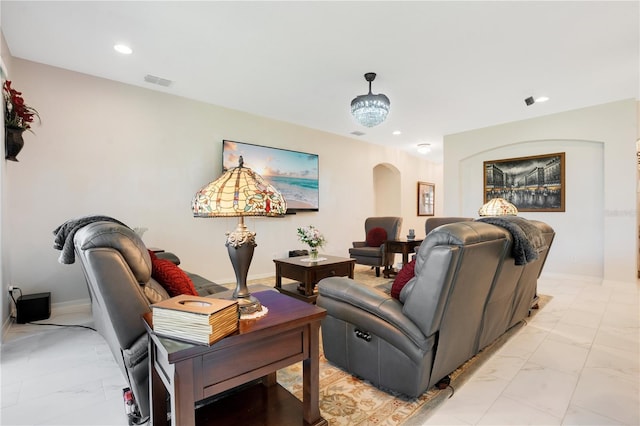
x=347, y=400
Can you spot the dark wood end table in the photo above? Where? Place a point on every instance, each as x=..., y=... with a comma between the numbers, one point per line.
x=309, y=273
x=399, y=246
x=288, y=333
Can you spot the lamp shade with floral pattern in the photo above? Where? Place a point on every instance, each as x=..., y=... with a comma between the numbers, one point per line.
x=498, y=207
x=238, y=192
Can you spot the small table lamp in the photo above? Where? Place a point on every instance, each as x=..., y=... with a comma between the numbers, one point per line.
x=498, y=207
x=240, y=192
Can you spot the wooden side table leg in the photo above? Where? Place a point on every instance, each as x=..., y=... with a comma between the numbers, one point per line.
x=308, y=283
x=157, y=392
x=183, y=398
x=311, y=380
x=405, y=255
x=278, y=277
x=270, y=380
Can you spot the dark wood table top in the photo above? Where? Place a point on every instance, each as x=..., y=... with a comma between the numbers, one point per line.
x=284, y=312
x=326, y=260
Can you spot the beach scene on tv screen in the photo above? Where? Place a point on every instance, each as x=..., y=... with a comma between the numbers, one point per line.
x=293, y=173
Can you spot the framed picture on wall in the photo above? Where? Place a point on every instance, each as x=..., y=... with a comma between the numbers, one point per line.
x=426, y=196
x=532, y=184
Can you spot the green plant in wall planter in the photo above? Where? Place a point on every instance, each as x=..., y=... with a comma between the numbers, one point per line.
x=17, y=118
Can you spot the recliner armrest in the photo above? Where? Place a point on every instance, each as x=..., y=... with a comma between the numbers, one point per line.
x=370, y=300
x=169, y=256
x=357, y=244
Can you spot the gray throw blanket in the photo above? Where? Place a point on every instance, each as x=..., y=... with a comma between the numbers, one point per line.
x=528, y=240
x=64, y=235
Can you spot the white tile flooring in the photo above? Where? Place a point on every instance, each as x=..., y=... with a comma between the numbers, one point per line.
x=575, y=363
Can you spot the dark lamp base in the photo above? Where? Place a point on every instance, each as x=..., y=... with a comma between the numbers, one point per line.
x=248, y=305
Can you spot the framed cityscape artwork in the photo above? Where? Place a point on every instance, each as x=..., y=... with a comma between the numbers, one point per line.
x=426, y=195
x=532, y=184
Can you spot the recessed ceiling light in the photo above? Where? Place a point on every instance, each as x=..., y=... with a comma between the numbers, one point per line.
x=542, y=99
x=123, y=48
x=424, y=148
x=397, y=132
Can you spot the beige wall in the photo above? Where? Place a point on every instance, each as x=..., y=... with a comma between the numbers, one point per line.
x=596, y=235
x=4, y=249
x=140, y=156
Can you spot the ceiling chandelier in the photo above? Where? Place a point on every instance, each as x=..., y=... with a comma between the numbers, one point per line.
x=370, y=110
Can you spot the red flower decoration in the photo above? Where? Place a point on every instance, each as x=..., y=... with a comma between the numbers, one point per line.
x=16, y=114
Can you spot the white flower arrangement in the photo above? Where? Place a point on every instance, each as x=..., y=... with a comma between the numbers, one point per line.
x=311, y=236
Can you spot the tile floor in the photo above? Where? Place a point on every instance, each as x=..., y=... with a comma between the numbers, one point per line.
x=575, y=363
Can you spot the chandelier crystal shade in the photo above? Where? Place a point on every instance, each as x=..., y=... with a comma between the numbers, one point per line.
x=370, y=110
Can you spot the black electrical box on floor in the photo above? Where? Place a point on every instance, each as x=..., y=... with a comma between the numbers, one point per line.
x=33, y=307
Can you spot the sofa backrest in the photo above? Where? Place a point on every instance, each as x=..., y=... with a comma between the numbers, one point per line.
x=455, y=268
x=116, y=265
x=515, y=286
x=433, y=222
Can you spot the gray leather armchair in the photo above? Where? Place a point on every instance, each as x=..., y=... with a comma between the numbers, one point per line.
x=117, y=267
x=376, y=256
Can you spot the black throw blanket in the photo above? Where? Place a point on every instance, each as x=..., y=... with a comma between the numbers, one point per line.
x=528, y=240
x=64, y=235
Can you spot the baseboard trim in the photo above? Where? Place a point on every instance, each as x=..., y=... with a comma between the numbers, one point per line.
x=572, y=277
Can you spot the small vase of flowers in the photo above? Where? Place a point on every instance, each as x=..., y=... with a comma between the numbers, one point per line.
x=312, y=237
x=17, y=118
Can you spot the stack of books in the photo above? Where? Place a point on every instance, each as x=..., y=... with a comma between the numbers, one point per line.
x=195, y=319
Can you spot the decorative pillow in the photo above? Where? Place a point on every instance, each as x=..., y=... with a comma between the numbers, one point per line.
x=171, y=277
x=405, y=274
x=376, y=236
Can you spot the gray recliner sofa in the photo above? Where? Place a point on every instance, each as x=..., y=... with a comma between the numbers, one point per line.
x=117, y=267
x=467, y=290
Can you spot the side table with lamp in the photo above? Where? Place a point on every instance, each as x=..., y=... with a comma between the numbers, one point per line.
x=404, y=246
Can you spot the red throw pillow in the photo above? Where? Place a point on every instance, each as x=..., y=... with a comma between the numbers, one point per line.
x=171, y=277
x=376, y=236
x=406, y=273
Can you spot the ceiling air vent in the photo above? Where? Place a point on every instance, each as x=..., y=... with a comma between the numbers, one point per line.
x=157, y=80
x=358, y=133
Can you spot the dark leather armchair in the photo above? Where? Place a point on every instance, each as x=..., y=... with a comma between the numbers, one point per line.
x=375, y=256
x=117, y=267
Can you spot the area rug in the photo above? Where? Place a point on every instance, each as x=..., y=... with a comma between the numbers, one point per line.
x=348, y=400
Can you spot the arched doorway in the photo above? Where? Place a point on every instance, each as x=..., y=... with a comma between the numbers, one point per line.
x=386, y=190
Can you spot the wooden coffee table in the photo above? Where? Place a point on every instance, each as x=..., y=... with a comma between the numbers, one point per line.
x=287, y=334
x=309, y=273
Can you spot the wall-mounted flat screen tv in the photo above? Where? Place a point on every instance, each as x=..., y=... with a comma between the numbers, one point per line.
x=293, y=173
